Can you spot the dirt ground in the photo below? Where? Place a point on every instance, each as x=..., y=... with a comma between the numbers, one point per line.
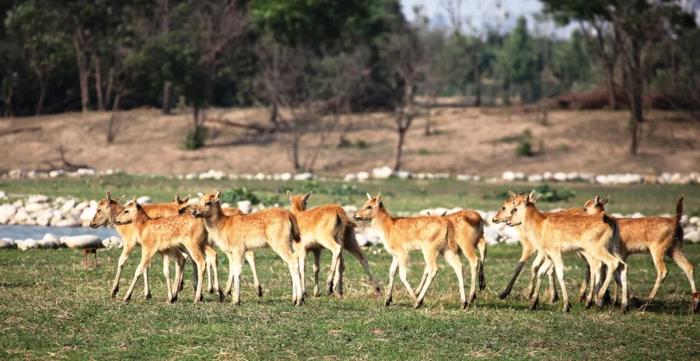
x=468, y=140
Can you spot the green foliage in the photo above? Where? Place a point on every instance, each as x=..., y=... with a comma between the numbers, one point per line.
x=518, y=62
x=550, y=194
x=343, y=189
x=235, y=195
x=195, y=138
x=524, y=148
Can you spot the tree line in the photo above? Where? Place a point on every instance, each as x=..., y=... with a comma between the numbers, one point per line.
x=309, y=61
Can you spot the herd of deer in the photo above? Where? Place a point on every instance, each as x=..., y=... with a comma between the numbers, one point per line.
x=193, y=228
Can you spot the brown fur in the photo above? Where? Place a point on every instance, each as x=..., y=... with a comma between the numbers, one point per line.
x=431, y=234
x=238, y=234
x=659, y=236
x=162, y=234
x=555, y=234
x=326, y=227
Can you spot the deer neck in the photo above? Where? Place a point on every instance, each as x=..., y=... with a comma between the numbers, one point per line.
x=216, y=216
x=532, y=222
x=383, y=221
x=114, y=210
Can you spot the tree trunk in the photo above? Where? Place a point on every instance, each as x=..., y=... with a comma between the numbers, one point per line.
x=42, y=95
x=610, y=84
x=167, y=91
x=82, y=71
x=98, y=84
x=399, y=148
x=112, y=126
x=274, y=112
x=110, y=87
x=477, y=81
x=8, y=103
x=636, y=83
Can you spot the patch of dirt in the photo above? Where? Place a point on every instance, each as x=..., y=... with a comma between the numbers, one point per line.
x=468, y=140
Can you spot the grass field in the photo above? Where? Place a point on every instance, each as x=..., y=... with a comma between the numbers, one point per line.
x=51, y=308
x=400, y=195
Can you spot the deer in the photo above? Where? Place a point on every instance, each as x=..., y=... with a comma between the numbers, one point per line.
x=159, y=234
x=596, y=236
x=237, y=234
x=658, y=236
x=326, y=226
x=433, y=235
x=528, y=249
x=469, y=234
x=107, y=211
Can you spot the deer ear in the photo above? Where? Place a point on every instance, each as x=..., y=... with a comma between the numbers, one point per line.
x=306, y=197
x=605, y=200
x=186, y=199
x=109, y=195
x=532, y=197
x=511, y=194
x=200, y=194
x=177, y=199
x=217, y=195
x=596, y=199
x=379, y=197
x=289, y=195
x=369, y=196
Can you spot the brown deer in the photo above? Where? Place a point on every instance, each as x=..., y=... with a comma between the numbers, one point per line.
x=658, y=236
x=555, y=234
x=432, y=235
x=326, y=226
x=238, y=234
x=158, y=234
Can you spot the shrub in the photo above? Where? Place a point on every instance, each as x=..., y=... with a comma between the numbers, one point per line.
x=234, y=195
x=195, y=139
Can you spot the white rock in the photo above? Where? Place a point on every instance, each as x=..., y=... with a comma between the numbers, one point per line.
x=80, y=206
x=382, y=172
x=26, y=244
x=56, y=173
x=350, y=177
x=37, y=199
x=350, y=209
x=6, y=243
x=3, y=195
x=637, y=215
x=87, y=214
x=245, y=206
x=84, y=241
x=491, y=234
x=49, y=241
x=303, y=176
x=68, y=205
x=362, y=176
x=112, y=242
x=692, y=236
x=142, y=200
x=403, y=174
x=53, y=222
x=694, y=220
x=86, y=171
x=35, y=207
x=508, y=176
x=560, y=177
x=361, y=239
x=68, y=223
x=534, y=178
x=7, y=211
x=511, y=241
x=20, y=216
x=286, y=177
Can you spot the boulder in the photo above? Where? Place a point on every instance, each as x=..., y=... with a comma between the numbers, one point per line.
x=362, y=176
x=49, y=241
x=112, y=242
x=382, y=172
x=508, y=176
x=87, y=214
x=303, y=176
x=20, y=216
x=140, y=200
x=350, y=177
x=80, y=206
x=70, y=222
x=6, y=243
x=535, y=178
x=68, y=205
x=33, y=207
x=692, y=236
x=86, y=172
x=3, y=195
x=403, y=174
x=38, y=199
x=7, y=211
x=361, y=239
x=286, y=177
x=80, y=242
x=56, y=173
x=26, y=244
x=245, y=206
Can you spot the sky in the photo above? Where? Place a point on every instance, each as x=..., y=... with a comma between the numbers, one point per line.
x=479, y=14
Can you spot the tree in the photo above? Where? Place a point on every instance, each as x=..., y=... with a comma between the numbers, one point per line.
x=518, y=63
x=35, y=24
x=637, y=25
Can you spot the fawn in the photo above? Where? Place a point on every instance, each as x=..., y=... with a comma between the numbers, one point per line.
x=159, y=234
x=329, y=227
x=400, y=235
x=238, y=234
x=555, y=234
x=659, y=236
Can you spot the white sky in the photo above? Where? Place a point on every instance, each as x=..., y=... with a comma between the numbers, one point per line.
x=496, y=14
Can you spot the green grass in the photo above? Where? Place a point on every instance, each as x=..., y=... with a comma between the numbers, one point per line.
x=51, y=308
x=400, y=195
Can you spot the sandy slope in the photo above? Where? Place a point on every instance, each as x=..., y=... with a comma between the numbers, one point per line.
x=470, y=140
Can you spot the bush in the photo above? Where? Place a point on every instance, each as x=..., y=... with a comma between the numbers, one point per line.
x=524, y=148
x=234, y=195
x=545, y=192
x=195, y=139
